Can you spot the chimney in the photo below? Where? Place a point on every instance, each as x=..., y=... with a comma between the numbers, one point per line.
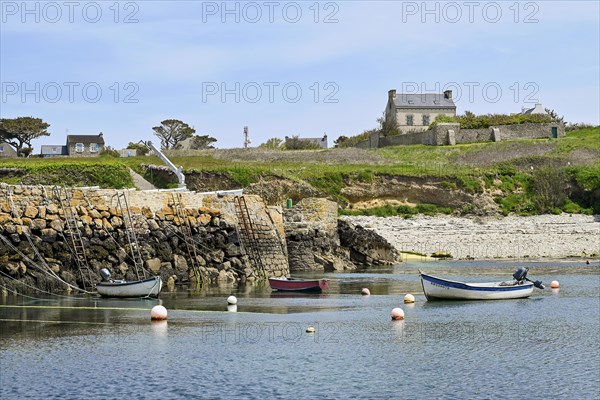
x=100, y=134
x=392, y=94
x=448, y=94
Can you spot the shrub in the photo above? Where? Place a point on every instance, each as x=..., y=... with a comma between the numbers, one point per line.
x=472, y=121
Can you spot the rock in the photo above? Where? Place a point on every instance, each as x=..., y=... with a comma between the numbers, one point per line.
x=48, y=235
x=180, y=263
x=38, y=224
x=57, y=225
x=153, y=225
x=123, y=268
x=153, y=264
x=31, y=212
x=51, y=209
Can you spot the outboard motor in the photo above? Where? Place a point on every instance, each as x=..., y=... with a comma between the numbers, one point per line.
x=106, y=275
x=520, y=274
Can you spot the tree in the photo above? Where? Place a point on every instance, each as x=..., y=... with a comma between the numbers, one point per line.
x=19, y=132
x=273, y=144
x=172, y=131
x=554, y=115
x=388, y=126
x=140, y=149
x=202, y=142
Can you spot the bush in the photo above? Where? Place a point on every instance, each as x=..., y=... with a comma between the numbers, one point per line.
x=472, y=121
x=548, y=188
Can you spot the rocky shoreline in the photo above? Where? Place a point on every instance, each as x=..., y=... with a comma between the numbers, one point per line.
x=542, y=236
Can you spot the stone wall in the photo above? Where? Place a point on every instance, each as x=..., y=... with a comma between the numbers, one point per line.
x=318, y=241
x=451, y=133
x=35, y=221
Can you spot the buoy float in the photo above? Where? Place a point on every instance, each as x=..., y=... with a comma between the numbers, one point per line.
x=310, y=329
x=554, y=285
x=231, y=300
x=232, y=307
x=409, y=298
x=158, y=313
x=397, y=314
x=365, y=292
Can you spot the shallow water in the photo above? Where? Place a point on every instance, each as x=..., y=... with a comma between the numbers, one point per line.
x=546, y=346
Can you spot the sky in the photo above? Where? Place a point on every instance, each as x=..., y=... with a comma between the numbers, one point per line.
x=286, y=68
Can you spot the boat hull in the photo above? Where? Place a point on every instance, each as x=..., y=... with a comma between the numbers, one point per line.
x=150, y=287
x=299, y=285
x=443, y=289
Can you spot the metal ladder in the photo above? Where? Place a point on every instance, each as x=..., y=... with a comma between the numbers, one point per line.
x=248, y=234
x=76, y=245
x=136, y=256
x=188, y=238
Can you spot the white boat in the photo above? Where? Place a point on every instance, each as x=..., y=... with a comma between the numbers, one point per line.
x=150, y=287
x=444, y=289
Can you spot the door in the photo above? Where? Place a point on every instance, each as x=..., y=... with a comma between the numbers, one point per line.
x=554, y=133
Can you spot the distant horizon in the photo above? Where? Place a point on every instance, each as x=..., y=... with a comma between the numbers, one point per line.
x=287, y=68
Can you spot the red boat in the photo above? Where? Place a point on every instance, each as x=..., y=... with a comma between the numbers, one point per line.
x=298, y=285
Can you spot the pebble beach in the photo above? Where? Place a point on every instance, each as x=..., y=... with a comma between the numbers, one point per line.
x=514, y=237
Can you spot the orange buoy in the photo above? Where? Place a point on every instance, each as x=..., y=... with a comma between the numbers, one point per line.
x=365, y=292
x=554, y=285
x=409, y=298
x=158, y=313
x=397, y=314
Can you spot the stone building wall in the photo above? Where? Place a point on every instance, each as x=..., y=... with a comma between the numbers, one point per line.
x=35, y=221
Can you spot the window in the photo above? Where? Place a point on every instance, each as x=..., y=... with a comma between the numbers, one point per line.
x=79, y=147
x=409, y=120
x=426, y=120
x=94, y=148
x=1, y=148
x=55, y=150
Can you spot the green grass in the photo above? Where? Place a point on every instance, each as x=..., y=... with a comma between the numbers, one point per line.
x=332, y=170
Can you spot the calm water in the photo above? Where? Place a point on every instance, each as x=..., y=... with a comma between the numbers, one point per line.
x=547, y=346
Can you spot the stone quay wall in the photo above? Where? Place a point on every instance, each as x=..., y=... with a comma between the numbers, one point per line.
x=32, y=220
x=318, y=241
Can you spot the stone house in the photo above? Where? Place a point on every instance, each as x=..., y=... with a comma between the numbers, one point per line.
x=85, y=145
x=413, y=112
x=6, y=150
x=77, y=146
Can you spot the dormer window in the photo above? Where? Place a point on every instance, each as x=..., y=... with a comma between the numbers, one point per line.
x=94, y=148
x=79, y=147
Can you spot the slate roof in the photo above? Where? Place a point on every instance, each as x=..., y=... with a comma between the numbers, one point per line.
x=424, y=100
x=85, y=139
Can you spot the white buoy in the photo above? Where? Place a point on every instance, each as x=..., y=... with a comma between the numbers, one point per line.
x=409, y=298
x=554, y=285
x=232, y=307
x=310, y=329
x=158, y=313
x=365, y=292
x=231, y=300
x=397, y=314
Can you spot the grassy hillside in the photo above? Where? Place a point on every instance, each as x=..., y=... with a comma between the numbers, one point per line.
x=525, y=177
